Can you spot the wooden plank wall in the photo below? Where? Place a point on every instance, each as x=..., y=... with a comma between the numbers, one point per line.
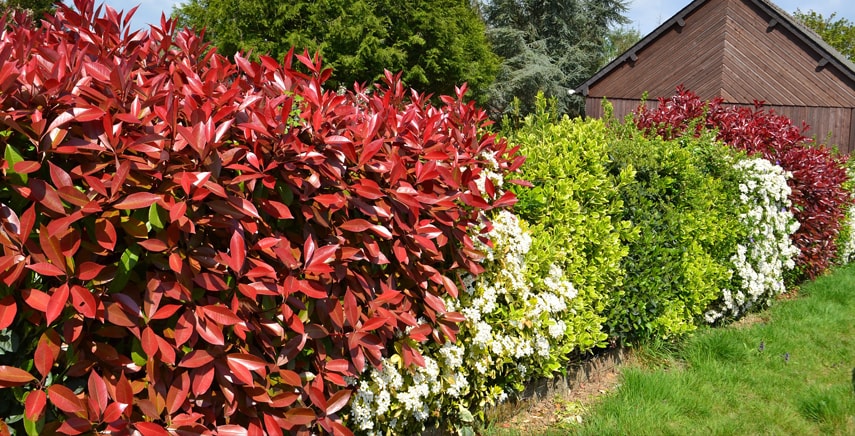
x=833, y=126
x=773, y=65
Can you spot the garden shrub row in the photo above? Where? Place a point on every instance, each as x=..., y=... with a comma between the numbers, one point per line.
x=195, y=245
x=819, y=199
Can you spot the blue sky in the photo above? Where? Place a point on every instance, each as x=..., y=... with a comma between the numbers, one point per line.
x=646, y=15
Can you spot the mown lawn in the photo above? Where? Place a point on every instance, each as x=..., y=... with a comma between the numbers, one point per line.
x=789, y=370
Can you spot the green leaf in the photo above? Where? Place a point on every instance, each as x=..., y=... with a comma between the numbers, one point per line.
x=128, y=261
x=155, y=220
x=12, y=157
x=34, y=428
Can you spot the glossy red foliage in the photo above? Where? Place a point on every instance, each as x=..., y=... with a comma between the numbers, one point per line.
x=213, y=246
x=818, y=197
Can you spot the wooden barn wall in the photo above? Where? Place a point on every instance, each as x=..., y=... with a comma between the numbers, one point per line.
x=832, y=126
x=774, y=66
x=692, y=55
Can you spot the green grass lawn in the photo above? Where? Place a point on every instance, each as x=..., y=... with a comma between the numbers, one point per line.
x=721, y=381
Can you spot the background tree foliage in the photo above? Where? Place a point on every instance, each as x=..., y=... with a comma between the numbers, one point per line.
x=547, y=45
x=36, y=7
x=618, y=40
x=837, y=32
x=436, y=43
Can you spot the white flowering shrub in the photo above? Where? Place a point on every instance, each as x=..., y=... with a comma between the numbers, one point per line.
x=768, y=252
x=516, y=328
x=846, y=238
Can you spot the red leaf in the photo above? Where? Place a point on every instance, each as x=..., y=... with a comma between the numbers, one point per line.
x=45, y=195
x=65, y=400
x=341, y=366
x=201, y=379
x=211, y=282
x=195, y=359
x=231, y=430
x=166, y=311
x=26, y=167
x=8, y=310
x=98, y=397
x=47, y=350
x=150, y=429
x=46, y=269
x=373, y=324
x=36, y=299
x=360, y=225
x=114, y=412
x=276, y=209
x=237, y=252
x=57, y=303
x=450, y=287
x=34, y=407
x=75, y=425
x=149, y=342
x=84, y=302
x=124, y=393
x=337, y=401
x=154, y=245
x=316, y=263
x=351, y=308
x=210, y=332
x=105, y=233
x=184, y=328
x=290, y=378
x=137, y=200
x=59, y=177
x=89, y=270
x=298, y=416
x=240, y=372
x=11, y=376
x=221, y=314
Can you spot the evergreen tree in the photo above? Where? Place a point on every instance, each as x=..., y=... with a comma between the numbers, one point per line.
x=547, y=45
x=438, y=44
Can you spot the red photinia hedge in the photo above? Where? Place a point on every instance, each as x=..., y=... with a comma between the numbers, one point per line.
x=196, y=246
x=818, y=198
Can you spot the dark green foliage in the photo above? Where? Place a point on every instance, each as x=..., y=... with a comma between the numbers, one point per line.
x=437, y=44
x=682, y=204
x=549, y=46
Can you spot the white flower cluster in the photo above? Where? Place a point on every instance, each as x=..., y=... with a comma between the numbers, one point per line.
x=760, y=262
x=846, y=247
x=512, y=328
x=489, y=172
x=392, y=394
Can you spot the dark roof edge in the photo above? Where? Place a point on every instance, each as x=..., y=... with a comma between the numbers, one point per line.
x=829, y=53
x=811, y=38
x=632, y=52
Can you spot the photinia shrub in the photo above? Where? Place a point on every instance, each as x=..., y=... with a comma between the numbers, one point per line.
x=192, y=245
x=819, y=201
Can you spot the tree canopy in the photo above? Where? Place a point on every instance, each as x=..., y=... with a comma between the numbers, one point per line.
x=547, y=45
x=438, y=44
x=837, y=32
x=38, y=8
